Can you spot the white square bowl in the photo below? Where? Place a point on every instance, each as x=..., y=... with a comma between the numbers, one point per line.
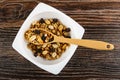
x=45, y=11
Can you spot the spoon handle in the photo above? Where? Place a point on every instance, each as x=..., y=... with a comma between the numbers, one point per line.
x=100, y=45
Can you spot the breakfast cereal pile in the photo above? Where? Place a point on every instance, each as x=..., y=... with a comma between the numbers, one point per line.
x=49, y=51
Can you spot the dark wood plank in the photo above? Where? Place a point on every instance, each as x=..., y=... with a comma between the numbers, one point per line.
x=100, y=18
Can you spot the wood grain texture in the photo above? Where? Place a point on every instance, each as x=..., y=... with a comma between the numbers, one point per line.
x=101, y=20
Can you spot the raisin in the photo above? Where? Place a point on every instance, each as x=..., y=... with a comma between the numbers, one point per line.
x=36, y=54
x=55, y=20
x=42, y=20
x=36, y=31
x=51, y=49
x=39, y=50
x=67, y=30
x=67, y=36
x=51, y=39
x=43, y=37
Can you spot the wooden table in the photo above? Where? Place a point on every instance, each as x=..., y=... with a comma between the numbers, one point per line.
x=101, y=20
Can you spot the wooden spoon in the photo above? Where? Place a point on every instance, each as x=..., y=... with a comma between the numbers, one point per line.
x=99, y=45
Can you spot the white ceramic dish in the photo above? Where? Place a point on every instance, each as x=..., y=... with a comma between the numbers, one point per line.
x=45, y=11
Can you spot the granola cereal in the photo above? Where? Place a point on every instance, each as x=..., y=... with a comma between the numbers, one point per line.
x=49, y=51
